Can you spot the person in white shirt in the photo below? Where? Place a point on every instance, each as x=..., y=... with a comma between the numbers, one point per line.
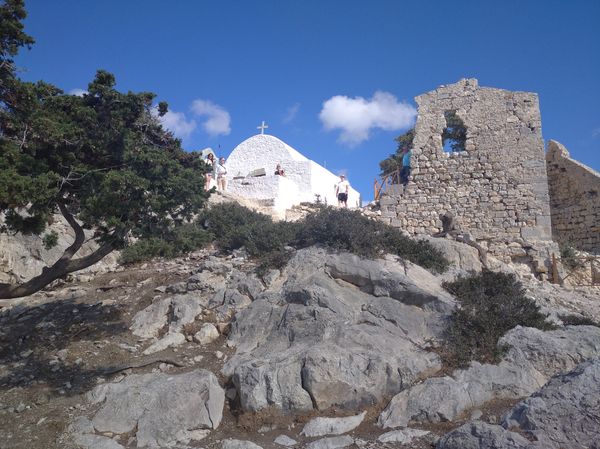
x=341, y=191
x=221, y=173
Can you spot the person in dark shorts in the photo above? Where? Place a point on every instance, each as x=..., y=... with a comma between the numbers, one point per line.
x=341, y=191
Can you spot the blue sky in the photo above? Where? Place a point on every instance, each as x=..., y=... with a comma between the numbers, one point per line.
x=325, y=74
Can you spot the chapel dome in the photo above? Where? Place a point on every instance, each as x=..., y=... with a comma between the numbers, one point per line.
x=265, y=146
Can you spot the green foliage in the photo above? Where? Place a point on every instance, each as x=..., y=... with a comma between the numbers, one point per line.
x=394, y=161
x=50, y=240
x=103, y=157
x=12, y=38
x=454, y=135
x=568, y=256
x=234, y=226
x=184, y=239
x=351, y=231
x=490, y=305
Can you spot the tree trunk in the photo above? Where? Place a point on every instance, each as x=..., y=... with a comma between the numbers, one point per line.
x=64, y=265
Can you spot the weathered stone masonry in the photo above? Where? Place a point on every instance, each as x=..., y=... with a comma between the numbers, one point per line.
x=497, y=188
x=574, y=200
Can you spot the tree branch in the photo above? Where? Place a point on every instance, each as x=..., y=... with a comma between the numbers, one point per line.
x=64, y=265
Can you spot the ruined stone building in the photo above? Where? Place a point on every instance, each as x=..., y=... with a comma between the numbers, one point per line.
x=494, y=182
x=574, y=200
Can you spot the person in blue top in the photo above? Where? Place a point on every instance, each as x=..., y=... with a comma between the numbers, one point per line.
x=405, y=171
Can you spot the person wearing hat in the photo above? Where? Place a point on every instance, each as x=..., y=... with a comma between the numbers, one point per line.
x=341, y=191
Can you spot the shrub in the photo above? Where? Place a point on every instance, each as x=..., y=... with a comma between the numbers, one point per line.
x=351, y=231
x=233, y=226
x=490, y=305
x=183, y=239
x=568, y=256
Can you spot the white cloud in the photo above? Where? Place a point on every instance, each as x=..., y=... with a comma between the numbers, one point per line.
x=77, y=92
x=291, y=113
x=596, y=132
x=217, y=121
x=177, y=123
x=357, y=116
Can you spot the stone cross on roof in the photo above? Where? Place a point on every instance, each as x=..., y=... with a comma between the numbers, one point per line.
x=262, y=127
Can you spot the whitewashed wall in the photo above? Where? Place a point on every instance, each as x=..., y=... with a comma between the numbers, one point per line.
x=281, y=190
x=262, y=151
x=304, y=178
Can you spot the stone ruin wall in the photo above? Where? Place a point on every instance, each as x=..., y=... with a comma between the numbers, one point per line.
x=497, y=189
x=574, y=200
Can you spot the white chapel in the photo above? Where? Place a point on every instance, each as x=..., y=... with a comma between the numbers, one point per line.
x=251, y=174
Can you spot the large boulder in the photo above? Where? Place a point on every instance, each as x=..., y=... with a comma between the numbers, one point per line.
x=161, y=410
x=565, y=413
x=532, y=358
x=462, y=257
x=480, y=435
x=340, y=331
x=172, y=313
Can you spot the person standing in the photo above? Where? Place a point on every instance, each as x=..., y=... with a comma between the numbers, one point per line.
x=210, y=161
x=221, y=173
x=341, y=191
x=405, y=171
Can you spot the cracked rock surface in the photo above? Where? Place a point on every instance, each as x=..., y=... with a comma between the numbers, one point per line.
x=161, y=410
x=339, y=331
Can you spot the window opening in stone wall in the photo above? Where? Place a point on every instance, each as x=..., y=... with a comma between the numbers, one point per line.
x=454, y=136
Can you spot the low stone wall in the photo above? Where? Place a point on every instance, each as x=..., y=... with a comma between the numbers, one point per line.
x=574, y=200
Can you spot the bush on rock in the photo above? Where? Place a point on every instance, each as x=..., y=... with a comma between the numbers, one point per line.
x=490, y=305
x=234, y=226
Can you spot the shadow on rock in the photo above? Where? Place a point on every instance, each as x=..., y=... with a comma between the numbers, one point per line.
x=52, y=343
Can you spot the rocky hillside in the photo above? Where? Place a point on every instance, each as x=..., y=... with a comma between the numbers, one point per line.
x=333, y=351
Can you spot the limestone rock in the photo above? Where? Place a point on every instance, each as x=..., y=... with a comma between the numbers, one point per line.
x=462, y=257
x=331, y=443
x=168, y=341
x=533, y=357
x=149, y=321
x=480, y=435
x=318, y=427
x=175, y=311
x=402, y=436
x=565, y=412
x=284, y=440
x=161, y=409
x=411, y=285
x=318, y=340
x=88, y=441
x=239, y=444
x=207, y=334
x=185, y=309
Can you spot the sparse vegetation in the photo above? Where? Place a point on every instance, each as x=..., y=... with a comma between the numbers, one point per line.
x=184, y=239
x=568, y=256
x=490, y=305
x=235, y=226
